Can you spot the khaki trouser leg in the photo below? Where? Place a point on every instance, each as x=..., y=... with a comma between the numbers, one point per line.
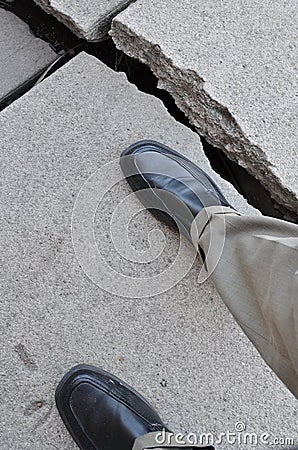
x=253, y=262
x=162, y=440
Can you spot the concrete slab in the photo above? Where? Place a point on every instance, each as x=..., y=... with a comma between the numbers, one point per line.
x=22, y=55
x=232, y=68
x=89, y=20
x=180, y=348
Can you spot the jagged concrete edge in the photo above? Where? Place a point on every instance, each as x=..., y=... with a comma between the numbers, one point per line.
x=211, y=119
x=97, y=31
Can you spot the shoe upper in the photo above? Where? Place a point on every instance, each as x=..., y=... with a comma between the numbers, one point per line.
x=103, y=413
x=169, y=183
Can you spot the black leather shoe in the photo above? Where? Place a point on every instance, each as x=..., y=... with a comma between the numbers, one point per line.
x=101, y=412
x=169, y=184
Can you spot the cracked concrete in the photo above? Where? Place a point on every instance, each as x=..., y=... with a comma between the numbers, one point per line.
x=88, y=20
x=232, y=69
x=181, y=348
x=22, y=55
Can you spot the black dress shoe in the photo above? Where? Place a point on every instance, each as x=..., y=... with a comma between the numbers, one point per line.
x=169, y=184
x=101, y=412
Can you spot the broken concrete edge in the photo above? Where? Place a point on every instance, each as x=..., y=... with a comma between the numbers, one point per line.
x=63, y=17
x=210, y=118
x=98, y=30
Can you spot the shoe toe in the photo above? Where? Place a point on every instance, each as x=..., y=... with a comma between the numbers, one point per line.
x=101, y=412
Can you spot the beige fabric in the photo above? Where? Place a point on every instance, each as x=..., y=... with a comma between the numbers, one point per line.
x=162, y=440
x=253, y=262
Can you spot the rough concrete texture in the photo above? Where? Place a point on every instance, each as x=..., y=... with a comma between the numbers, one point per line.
x=89, y=20
x=181, y=348
x=22, y=55
x=232, y=68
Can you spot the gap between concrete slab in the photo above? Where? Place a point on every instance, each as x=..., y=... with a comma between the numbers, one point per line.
x=43, y=25
x=64, y=41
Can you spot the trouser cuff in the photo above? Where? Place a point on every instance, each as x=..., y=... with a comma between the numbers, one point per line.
x=204, y=218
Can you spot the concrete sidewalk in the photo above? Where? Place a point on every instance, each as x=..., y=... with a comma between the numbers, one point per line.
x=181, y=349
x=22, y=55
x=232, y=69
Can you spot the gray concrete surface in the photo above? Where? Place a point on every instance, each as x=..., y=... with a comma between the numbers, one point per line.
x=89, y=20
x=181, y=348
x=22, y=55
x=232, y=68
